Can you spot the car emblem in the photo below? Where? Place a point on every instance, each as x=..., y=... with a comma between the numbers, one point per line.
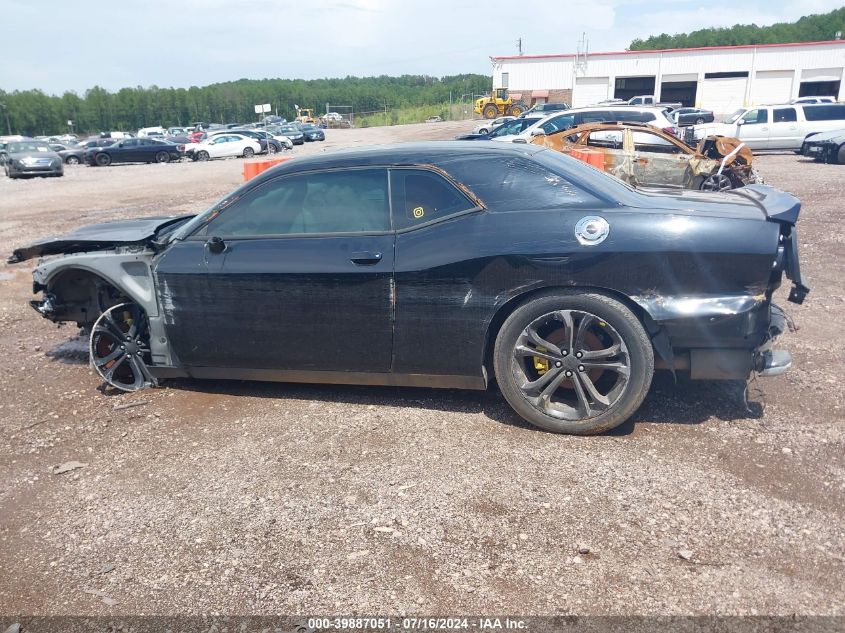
x=591, y=230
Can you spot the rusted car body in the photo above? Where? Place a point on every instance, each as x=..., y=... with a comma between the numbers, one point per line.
x=645, y=156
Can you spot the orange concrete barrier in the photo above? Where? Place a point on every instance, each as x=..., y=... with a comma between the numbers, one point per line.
x=589, y=156
x=254, y=167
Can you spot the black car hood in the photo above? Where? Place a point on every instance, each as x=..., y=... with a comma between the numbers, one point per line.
x=96, y=237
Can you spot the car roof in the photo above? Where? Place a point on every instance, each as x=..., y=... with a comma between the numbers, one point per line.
x=431, y=153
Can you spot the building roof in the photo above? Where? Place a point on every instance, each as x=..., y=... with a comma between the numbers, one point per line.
x=671, y=50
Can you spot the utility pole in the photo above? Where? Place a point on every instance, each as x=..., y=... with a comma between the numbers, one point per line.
x=519, y=46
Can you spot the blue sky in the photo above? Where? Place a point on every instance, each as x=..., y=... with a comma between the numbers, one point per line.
x=65, y=45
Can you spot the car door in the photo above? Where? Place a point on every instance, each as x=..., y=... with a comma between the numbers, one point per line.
x=784, y=132
x=295, y=274
x=659, y=162
x=221, y=146
x=754, y=128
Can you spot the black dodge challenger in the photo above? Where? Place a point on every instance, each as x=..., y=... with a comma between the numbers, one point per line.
x=440, y=265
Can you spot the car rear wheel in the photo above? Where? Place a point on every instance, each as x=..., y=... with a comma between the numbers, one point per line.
x=716, y=182
x=72, y=160
x=120, y=348
x=202, y=155
x=574, y=362
x=103, y=160
x=699, y=121
x=162, y=157
x=483, y=130
x=271, y=149
x=840, y=155
x=248, y=152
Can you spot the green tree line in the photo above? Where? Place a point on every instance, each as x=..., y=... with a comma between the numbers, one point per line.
x=32, y=112
x=810, y=28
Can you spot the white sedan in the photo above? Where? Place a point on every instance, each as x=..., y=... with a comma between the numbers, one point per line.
x=223, y=145
x=485, y=127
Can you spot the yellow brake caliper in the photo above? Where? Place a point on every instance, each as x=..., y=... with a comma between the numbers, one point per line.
x=541, y=364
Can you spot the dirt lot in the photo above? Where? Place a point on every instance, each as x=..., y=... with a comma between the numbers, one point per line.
x=229, y=497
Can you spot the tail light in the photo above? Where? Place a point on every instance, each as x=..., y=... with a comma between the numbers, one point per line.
x=671, y=130
x=181, y=148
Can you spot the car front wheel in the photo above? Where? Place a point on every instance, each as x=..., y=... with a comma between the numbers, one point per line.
x=572, y=362
x=202, y=155
x=248, y=152
x=72, y=160
x=103, y=160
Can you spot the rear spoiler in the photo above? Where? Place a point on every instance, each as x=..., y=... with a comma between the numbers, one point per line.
x=778, y=206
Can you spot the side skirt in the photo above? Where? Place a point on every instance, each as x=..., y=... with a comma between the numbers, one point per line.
x=435, y=381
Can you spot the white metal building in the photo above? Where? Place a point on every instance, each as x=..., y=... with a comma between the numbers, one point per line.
x=719, y=78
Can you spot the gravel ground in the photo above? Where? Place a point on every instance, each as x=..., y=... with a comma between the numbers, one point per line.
x=231, y=497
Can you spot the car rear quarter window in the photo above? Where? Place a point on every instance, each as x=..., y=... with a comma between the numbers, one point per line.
x=421, y=196
x=821, y=112
x=517, y=183
x=350, y=201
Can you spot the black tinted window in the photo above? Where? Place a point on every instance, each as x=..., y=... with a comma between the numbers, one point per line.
x=422, y=196
x=511, y=184
x=782, y=115
x=352, y=201
x=833, y=112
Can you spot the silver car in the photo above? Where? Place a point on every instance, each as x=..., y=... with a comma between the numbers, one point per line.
x=32, y=158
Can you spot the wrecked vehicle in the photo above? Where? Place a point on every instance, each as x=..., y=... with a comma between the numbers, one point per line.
x=827, y=147
x=644, y=156
x=440, y=264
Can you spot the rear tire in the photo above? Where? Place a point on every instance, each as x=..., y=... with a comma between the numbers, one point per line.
x=162, y=157
x=597, y=378
x=249, y=152
x=72, y=160
x=699, y=121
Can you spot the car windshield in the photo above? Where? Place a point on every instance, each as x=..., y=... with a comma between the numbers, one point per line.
x=732, y=118
x=15, y=148
x=308, y=127
x=512, y=127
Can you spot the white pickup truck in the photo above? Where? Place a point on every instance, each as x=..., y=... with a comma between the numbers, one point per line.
x=650, y=100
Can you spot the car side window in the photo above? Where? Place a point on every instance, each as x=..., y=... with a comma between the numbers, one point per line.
x=518, y=184
x=610, y=139
x=422, y=196
x=650, y=142
x=784, y=115
x=756, y=116
x=351, y=201
x=558, y=123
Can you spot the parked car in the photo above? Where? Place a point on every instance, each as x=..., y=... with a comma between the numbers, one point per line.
x=32, y=158
x=75, y=154
x=291, y=131
x=655, y=117
x=690, y=116
x=285, y=142
x=651, y=100
x=644, y=156
x=565, y=284
x=545, y=108
x=488, y=125
x=814, y=100
x=776, y=126
x=508, y=128
x=827, y=147
x=152, y=132
x=434, y=119
x=267, y=144
x=312, y=132
x=223, y=146
x=4, y=143
x=134, y=150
